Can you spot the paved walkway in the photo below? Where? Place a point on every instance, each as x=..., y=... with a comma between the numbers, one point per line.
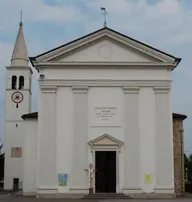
x=8, y=198
x=18, y=198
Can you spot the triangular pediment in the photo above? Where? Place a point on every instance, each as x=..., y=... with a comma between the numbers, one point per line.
x=105, y=49
x=104, y=46
x=105, y=140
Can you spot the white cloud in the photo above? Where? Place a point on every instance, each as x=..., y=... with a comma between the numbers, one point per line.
x=5, y=50
x=168, y=18
x=37, y=10
x=121, y=6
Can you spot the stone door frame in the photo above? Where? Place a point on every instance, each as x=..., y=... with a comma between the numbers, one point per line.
x=106, y=143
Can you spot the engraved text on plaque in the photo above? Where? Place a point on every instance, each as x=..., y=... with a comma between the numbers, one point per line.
x=105, y=113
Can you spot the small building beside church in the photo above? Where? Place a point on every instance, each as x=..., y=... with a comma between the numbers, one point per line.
x=178, y=152
x=104, y=98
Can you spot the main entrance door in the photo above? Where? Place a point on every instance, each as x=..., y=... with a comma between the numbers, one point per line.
x=105, y=177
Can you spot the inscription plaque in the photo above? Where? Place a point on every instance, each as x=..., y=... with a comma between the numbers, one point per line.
x=105, y=114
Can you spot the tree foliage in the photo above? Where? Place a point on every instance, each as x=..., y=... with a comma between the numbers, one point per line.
x=188, y=166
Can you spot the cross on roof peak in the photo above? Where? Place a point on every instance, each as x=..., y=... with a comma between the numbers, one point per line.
x=105, y=16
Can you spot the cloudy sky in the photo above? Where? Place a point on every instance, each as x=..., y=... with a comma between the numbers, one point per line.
x=164, y=24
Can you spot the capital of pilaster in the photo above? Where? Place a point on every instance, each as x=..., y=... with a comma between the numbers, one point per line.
x=79, y=89
x=131, y=89
x=48, y=89
x=161, y=89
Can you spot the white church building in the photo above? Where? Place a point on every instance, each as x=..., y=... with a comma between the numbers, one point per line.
x=104, y=98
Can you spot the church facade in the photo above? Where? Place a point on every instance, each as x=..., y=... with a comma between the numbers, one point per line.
x=104, y=98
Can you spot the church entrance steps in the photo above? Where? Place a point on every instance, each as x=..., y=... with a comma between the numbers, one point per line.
x=107, y=196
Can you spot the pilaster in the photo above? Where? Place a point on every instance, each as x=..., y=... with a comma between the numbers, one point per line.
x=131, y=139
x=147, y=134
x=164, y=140
x=80, y=157
x=47, y=141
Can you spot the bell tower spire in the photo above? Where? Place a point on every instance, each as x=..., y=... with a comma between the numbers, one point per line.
x=20, y=54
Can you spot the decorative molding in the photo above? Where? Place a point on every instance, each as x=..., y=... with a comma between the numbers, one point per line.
x=106, y=148
x=23, y=90
x=48, y=89
x=79, y=89
x=16, y=121
x=79, y=188
x=132, y=188
x=164, y=188
x=47, y=188
x=103, y=83
x=105, y=51
x=106, y=126
x=125, y=65
x=13, y=68
x=131, y=89
x=98, y=142
x=161, y=89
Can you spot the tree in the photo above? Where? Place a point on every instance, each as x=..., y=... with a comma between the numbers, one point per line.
x=190, y=159
x=188, y=166
x=186, y=160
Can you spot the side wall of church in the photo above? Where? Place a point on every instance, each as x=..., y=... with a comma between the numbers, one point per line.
x=30, y=158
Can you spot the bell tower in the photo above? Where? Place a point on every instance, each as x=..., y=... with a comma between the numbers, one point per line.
x=18, y=102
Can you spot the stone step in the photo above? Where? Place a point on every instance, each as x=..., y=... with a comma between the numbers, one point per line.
x=106, y=196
